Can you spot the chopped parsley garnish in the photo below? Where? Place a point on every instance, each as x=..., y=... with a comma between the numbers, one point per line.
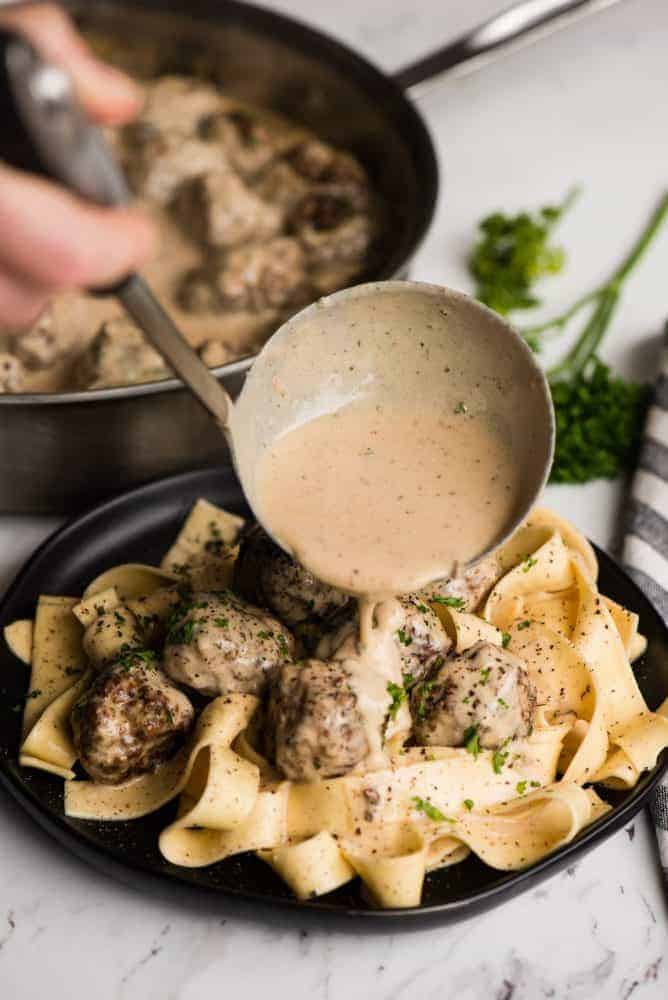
x=422, y=690
x=528, y=564
x=468, y=804
x=484, y=674
x=499, y=758
x=461, y=408
x=521, y=787
x=119, y=618
x=408, y=680
x=137, y=658
x=283, y=645
x=535, y=784
x=404, y=638
x=502, y=703
x=398, y=695
x=472, y=741
x=450, y=602
x=422, y=608
x=430, y=810
x=265, y=634
x=221, y=622
x=505, y=639
x=522, y=625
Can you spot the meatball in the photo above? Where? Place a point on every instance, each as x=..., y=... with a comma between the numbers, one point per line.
x=129, y=720
x=158, y=163
x=485, y=691
x=420, y=638
x=472, y=586
x=119, y=355
x=270, y=275
x=38, y=347
x=249, y=144
x=264, y=573
x=11, y=373
x=316, y=161
x=218, y=644
x=423, y=642
x=219, y=209
x=330, y=231
x=314, y=727
x=179, y=105
x=282, y=185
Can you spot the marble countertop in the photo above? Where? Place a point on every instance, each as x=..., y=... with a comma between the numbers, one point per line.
x=585, y=105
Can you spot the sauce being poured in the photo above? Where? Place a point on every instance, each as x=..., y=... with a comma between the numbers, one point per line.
x=382, y=501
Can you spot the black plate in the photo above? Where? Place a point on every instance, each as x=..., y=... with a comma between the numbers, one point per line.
x=138, y=527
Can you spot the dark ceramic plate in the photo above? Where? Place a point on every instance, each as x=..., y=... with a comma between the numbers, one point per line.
x=139, y=526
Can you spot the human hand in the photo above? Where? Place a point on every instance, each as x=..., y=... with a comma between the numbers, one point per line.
x=51, y=239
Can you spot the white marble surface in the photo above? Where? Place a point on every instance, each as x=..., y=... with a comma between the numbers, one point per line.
x=588, y=106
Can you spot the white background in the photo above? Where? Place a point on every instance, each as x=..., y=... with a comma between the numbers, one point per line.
x=588, y=106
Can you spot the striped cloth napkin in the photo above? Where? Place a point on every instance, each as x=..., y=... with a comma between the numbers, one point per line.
x=645, y=550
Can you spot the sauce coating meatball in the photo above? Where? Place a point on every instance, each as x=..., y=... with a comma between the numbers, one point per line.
x=486, y=690
x=471, y=586
x=266, y=574
x=314, y=727
x=219, y=644
x=129, y=720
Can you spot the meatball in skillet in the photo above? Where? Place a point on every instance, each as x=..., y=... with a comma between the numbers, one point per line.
x=264, y=573
x=485, y=691
x=314, y=728
x=129, y=720
x=218, y=644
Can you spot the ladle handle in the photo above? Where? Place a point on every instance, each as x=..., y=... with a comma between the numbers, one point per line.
x=511, y=28
x=50, y=134
x=142, y=305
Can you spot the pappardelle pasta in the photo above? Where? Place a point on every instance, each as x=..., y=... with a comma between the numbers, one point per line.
x=233, y=681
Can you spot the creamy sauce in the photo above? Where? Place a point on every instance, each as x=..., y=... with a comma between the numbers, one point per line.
x=383, y=502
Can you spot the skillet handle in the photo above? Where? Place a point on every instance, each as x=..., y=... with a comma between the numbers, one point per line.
x=511, y=28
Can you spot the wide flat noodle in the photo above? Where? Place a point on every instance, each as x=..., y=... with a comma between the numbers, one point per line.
x=48, y=746
x=466, y=629
x=19, y=638
x=57, y=657
x=130, y=580
x=205, y=550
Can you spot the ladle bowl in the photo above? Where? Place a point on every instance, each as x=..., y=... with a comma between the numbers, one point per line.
x=399, y=343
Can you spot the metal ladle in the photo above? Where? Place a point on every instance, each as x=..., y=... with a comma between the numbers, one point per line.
x=370, y=340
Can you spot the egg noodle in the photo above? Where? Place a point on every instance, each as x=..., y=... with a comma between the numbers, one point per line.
x=429, y=807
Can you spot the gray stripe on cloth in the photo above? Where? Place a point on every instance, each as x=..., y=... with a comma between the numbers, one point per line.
x=654, y=458
x=661, y=392
x=654, y=591
x=648, y=524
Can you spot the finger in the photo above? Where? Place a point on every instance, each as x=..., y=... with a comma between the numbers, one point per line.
x=52, y=238
x=20, y=302
x=107, y=94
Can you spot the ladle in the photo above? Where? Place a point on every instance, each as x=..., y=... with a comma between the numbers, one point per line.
x=383, y=340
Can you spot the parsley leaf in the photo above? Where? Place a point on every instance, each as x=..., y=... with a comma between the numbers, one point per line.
x=404, y=638
x=472, y=741
x=529, y=563
x=398, y=696
x=499, y=758
x=430, y=810
x=469, y=803
x=505, y=639
x=521, y=787
x=450, y=602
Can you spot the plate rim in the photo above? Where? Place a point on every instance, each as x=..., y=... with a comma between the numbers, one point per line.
x=129, y=872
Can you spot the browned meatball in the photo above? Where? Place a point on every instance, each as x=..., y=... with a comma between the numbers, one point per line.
x=330, y=229
x=420, y=638
x=38, y=347
x=11, y=373
x=470, y=587
x=119, y=355
x=267, y=575
x=314, y=727
x=129, y=720
x=219, y=644
x=270, y=275
x=249, y=144
x=219, y=209
x=485, y=692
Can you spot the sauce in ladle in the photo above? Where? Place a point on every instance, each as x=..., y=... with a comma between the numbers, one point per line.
x=382, y=501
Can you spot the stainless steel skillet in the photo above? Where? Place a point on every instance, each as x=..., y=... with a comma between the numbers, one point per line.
x=59, y=452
